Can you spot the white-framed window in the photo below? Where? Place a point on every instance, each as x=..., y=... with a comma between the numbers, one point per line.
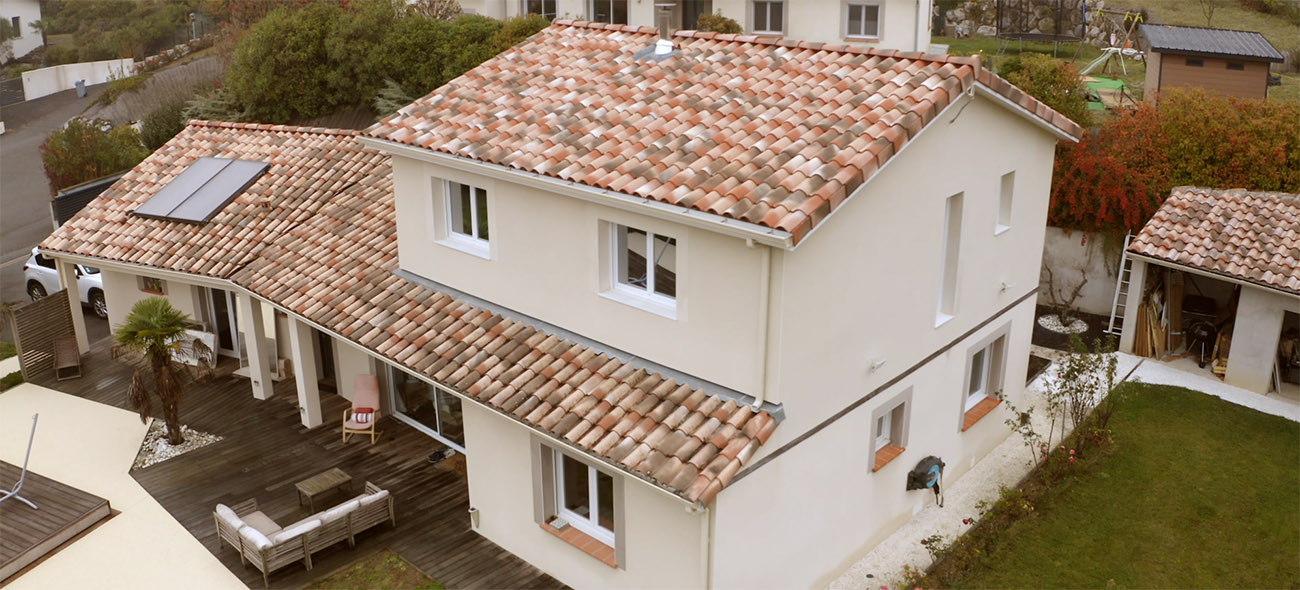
x=883, y=427
x=950, y=261
x=584, y=497
x=1005, y=202
x=977, y=387
x=467, y=226
x=643, y=269
x=544, y=8
x=612, y=12
x=984, y=370
x=769, y=17
x=889, y=429
x=862, y=20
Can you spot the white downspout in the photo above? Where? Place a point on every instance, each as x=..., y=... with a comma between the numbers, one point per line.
x=706, y=543
x=764, y=309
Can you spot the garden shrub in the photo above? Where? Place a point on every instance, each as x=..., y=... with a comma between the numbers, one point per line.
x=11, y=380
x=85, y=150
x=119, y=86
x=162, y=124
x=214, y=105
x=514, y=30
x=1112, y=181
x=1052, y=81
x=717, y=23
x=282, y=69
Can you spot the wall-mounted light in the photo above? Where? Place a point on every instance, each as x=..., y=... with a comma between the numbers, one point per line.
x=876, y=364
x=1005, y=286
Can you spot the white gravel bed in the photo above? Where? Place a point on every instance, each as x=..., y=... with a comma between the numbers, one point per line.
x=155, y=448
x=1053, y=323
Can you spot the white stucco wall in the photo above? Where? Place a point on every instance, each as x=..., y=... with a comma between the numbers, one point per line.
x=807, y=20
x=350, y=361
x=664, y=543
x=865, y=288
x=1070, y=252
x=46, y=81
x=28, y=12
x=1255, y=336
x=122, y=292
x=547, y=261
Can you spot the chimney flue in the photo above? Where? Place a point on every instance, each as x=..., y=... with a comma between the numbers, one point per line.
x=664, y=20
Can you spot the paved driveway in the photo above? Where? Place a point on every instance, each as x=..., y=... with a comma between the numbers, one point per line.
x=24, y=192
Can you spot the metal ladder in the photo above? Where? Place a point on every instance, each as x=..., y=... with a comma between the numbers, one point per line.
x=1121, y=290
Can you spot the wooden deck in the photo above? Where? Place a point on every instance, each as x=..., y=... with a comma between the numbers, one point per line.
x=62, y=512
x=266, y=450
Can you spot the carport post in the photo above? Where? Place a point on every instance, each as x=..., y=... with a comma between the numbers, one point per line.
x=303, y=346
x=259, y=370
x=68, y=280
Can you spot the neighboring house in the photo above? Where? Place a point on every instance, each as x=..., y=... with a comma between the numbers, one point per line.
x=882, y=24
x=691, y=316
x=1232, y=63
x=21, y=14
x=1243, y=249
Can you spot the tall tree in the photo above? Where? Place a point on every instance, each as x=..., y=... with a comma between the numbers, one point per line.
x=152, y=328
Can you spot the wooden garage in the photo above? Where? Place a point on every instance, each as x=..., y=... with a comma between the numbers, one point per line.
x=1232, y=63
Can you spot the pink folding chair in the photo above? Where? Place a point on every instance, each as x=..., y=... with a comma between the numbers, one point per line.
x=361, y=418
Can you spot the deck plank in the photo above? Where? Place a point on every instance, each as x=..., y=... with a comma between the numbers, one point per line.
x=28, y=535
x=265, y=450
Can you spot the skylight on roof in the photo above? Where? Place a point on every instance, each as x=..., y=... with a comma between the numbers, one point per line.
x=202, y=190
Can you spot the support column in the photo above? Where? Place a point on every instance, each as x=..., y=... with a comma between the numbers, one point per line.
x=302, y=343
x=254, y=328
x=68, y=280
x=1137, y=279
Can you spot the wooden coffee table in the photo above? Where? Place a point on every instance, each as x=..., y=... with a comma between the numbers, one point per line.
x=320, y=483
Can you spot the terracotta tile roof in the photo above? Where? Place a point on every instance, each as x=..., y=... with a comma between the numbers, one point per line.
x=1248, y=235
x=308, y=166
x=774, y=133
x=337, y=270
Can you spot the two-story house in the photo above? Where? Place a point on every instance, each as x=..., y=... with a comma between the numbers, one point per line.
x=692, y=307
x=881, y=24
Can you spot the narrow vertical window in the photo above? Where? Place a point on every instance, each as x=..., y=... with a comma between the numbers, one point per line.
x=950, y=262
x=882, y=430
x=1004, y=202
x=769, y=17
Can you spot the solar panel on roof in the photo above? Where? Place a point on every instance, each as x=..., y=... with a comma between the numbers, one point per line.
x=202, y=190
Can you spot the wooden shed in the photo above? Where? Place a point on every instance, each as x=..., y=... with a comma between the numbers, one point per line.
x=1232, y=63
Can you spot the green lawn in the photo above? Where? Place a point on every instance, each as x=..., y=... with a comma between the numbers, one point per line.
x=1228, y=14
x=1133, y=74
x=1195, y=493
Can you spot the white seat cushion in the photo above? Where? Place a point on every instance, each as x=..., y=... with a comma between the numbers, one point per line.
x=339, y=511
x=229, y=517
x=373, y=498
x=299, y=528
x=354, y=425
x=262, y=523
x=254, y=537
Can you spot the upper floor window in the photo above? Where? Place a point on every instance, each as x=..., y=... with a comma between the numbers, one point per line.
x=545, y=8
x=467, y=218
x=645, y=265
x=949, y=263
x=769, y=17
x=863, y=20
x=609, y=11
x=1004, y=202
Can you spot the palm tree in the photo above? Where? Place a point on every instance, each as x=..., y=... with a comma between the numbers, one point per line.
x=154, y=327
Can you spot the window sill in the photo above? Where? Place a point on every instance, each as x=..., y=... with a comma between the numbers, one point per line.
x=978, y=412
x=584, y=542
x=942, y=319
x=152, y=292
x=860, y=39
x=643, y=302
x=1000, y=229
x=471, y=246
x=886, y=454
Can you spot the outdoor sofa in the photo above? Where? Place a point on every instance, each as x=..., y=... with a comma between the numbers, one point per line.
x=268, y=546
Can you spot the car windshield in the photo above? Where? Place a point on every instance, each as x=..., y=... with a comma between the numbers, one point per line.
x=90, y=270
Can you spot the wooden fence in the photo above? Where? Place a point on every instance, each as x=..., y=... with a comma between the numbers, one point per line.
x=35, y=326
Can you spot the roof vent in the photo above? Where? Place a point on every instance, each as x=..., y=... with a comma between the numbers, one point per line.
x=664, y=48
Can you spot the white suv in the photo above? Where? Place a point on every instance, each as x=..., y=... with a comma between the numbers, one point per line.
x=43, y=279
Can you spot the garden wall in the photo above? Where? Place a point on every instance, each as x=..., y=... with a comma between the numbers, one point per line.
x=1071, y=253
x=46, y=81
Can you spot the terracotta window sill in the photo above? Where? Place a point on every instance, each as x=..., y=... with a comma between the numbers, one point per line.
x=886, y=454
x=584, y=542
x=852, y=39
x=151, y=291
x=978, y=412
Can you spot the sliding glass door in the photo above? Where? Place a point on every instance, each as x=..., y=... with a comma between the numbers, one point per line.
x=423, y=406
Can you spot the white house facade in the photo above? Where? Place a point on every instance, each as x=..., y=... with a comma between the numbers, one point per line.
x=21, y=14
x=692, y=320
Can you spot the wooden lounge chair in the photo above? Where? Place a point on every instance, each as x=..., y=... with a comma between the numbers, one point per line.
x=365, y=397
x=67, y=358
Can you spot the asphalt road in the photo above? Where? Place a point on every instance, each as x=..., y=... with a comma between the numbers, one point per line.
x=24, y=192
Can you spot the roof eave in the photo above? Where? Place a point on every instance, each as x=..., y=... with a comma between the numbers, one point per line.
x=644, y=206
x=1215, y=54
x=991, y=94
